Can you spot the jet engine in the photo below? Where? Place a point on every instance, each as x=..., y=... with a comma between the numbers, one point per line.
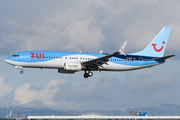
x=73, y=66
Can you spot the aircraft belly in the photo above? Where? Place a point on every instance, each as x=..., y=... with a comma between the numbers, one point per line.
x=44, y=64
x=119, y=67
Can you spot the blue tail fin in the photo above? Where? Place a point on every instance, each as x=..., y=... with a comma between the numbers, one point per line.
x=158, y=45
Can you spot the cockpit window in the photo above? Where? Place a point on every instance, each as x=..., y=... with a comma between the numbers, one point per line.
x=15, y=55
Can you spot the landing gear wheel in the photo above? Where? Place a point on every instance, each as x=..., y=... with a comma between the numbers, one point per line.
x=90, y=74
x=86, y=75
x=21, y=72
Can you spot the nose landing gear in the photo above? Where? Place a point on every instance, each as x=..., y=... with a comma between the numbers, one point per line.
x=19, y=67
x=89, y=74
x=21, y=71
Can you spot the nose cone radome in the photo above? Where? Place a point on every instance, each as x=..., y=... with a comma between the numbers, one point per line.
x=8, y=60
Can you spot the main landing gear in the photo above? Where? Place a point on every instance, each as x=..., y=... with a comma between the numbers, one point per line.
x=89, y=74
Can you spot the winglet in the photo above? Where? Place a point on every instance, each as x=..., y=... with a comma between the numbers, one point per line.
x=122, y=48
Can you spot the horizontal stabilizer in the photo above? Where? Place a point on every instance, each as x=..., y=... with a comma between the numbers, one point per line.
x=163, y=58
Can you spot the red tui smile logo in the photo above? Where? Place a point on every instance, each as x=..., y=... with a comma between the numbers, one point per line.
x=122, y=49
x=157, y=50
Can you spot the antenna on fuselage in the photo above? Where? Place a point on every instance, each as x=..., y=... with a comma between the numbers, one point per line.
x=101, y=52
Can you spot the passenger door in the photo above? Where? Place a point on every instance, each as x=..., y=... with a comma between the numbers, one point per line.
x=27, y=56
x=140, y=61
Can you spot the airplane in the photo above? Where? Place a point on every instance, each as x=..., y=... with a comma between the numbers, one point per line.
x=71, y=62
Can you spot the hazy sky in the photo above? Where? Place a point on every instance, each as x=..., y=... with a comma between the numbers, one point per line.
x=88, y=26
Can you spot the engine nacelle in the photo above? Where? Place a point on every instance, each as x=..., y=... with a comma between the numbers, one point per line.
x=72, y=66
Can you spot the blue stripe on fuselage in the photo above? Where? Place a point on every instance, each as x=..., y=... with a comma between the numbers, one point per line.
x=131, y=60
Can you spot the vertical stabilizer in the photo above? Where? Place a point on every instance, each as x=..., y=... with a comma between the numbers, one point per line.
x=158, y=45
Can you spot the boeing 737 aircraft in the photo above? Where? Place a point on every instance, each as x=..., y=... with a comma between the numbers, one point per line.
x=71, y=62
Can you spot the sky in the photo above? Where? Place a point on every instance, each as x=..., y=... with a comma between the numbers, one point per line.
x=88, y=26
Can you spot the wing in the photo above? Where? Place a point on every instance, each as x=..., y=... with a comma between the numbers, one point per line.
x=98, y=62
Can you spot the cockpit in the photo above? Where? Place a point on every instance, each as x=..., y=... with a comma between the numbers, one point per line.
x=15, y=55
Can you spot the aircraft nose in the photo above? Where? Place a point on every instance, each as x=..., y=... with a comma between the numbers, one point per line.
x=9, y=61
x=6, y=60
